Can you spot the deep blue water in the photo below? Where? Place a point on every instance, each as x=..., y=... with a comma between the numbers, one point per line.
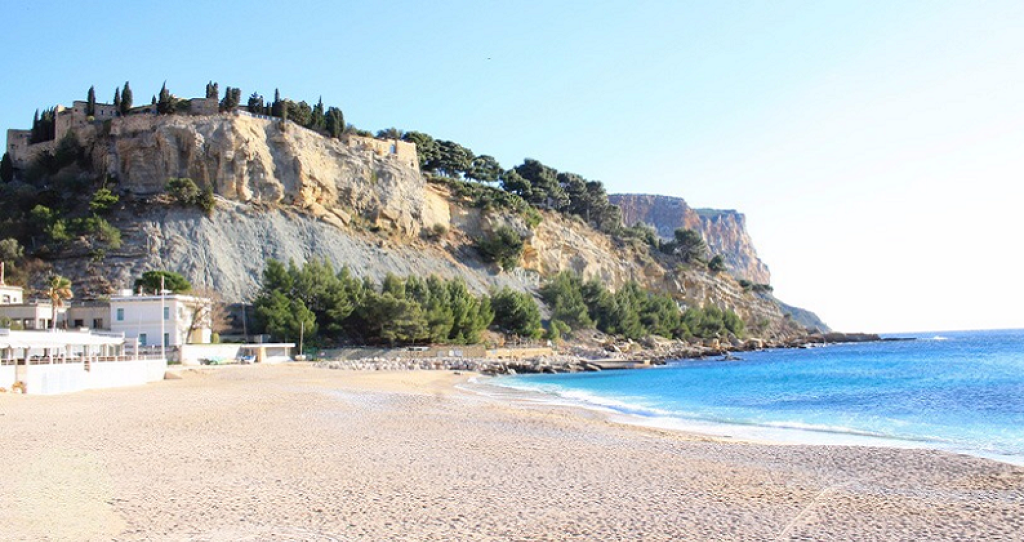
x=961, y=391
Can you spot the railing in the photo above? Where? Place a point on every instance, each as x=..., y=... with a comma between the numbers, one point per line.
x=64, y=360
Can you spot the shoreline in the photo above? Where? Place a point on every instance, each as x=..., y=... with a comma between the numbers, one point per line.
x=723, y=430
x=291, y=452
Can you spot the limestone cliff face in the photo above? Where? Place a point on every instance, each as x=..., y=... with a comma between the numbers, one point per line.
x=724, y=231
x=256, y=160
x=286, y=193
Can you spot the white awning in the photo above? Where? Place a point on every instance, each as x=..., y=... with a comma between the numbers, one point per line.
x=55, y=339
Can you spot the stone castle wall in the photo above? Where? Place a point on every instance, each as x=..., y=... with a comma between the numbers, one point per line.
x=22, y=152
x=404, y=151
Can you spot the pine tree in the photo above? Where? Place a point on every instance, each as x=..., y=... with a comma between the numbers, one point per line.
x=126, y=99
x=255, y=104
x=90, y=103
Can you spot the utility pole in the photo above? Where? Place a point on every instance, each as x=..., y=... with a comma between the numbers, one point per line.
x=163, y=341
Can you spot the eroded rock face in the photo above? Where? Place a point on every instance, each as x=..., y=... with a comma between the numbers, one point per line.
x=256, y=160
x=291, y=194
x=724, y=231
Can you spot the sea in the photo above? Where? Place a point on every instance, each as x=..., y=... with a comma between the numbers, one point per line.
x=956, y=391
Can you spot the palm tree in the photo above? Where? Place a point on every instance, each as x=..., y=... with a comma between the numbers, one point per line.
x=59, y=290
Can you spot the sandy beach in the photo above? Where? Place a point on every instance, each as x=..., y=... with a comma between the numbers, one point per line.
x=297, y=453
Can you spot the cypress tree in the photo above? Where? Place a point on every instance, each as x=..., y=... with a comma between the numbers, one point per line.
x=117, y=99
x=277, y=106
x=35, y=136
x=6, y=169
x=90, y=103
x=318, y=120
x=164, y=105
x=126, y=99
x=335, y=122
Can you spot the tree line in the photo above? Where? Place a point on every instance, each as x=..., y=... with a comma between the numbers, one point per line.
x=533, y=182
x=630, y=311
x=319, y=302
x=335, y=306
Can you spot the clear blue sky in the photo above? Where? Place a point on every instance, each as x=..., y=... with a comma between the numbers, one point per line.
x=877, y=148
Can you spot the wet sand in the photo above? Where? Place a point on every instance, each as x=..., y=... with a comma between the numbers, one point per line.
x=297, y=453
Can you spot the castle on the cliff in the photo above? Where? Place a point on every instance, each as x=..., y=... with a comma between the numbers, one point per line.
x=22, y=151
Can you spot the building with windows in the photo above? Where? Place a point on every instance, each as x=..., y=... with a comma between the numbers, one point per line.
x=88, y=315
x=171, y=320
x=11, y=295
x=19, y=314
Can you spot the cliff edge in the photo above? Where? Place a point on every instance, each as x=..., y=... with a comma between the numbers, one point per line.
x=725, y=231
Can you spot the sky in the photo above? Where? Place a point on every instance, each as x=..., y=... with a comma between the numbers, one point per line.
x=876, y=148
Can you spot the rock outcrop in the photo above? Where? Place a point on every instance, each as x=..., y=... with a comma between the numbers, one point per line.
x=287, y=193
x=256, y=160
x=725, y=231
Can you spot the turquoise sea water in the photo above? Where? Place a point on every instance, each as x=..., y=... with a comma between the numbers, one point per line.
x=959, y=391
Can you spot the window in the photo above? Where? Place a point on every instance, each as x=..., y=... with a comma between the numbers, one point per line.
x=79, y=323
x=142, y=339
x=120, y=315
x=167, y=313
x=167, y=339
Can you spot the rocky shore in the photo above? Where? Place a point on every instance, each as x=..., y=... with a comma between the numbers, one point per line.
x=611, y=356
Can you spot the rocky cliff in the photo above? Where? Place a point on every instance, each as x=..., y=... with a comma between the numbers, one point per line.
x=287, y=193
x=256, y=160
x=724, y=231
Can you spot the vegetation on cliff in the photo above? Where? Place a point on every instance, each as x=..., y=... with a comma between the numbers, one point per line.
x=631, y=311
x=337, y=307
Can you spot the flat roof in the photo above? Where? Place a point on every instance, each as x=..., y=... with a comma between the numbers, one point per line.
x=54, y=339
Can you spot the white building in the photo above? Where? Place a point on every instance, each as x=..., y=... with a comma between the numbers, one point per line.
x=48, y=362
x=178, y=319
x=11, y=295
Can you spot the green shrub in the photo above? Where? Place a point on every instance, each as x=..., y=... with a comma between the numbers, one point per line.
x=103, y=201
x=516, y=313
x=503, y=246
x=184, y=191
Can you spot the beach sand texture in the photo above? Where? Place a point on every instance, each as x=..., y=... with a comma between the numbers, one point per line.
x=297, y=453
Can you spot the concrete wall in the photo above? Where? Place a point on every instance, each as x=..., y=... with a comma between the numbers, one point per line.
x=190, y=354
x=7, y=376
x=517, y=353
x=71, y=377
x=453, y=351
x=115, y=374
x=54, y=379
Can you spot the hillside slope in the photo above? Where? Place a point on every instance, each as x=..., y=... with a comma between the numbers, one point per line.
x=288, y=193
